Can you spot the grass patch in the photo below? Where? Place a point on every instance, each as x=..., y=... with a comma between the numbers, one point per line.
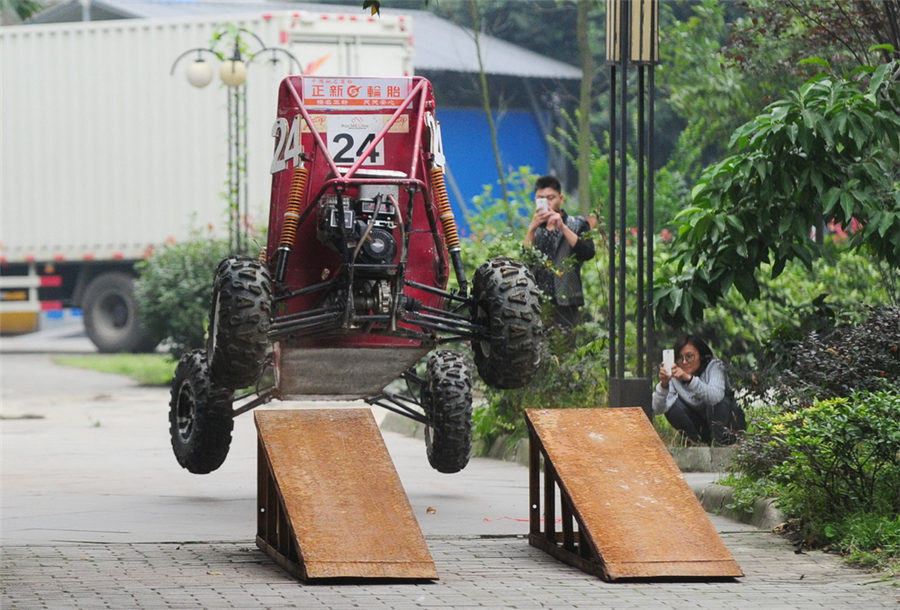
x=146, y=369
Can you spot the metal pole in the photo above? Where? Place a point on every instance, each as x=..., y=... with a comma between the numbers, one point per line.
x=244, y=170
x=611, y=225
x=623, y=165
x=651, y=201
x=230, y=193
x=639, y=313
x=651, y=222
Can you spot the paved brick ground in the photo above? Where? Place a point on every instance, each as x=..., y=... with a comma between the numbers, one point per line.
x=92, y=509
x=474, y=572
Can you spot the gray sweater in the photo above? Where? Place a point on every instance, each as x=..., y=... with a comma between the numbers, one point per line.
x=705, y=389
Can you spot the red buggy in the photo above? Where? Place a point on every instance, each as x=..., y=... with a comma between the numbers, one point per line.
x=351, y=290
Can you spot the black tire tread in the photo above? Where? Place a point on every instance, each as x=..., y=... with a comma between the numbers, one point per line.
x=507, y=296
x=447, y=401
x=207, y=445
x=243, y=292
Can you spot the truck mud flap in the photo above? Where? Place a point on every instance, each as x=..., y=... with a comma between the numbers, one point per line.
x=330, y=504
x=626, y=511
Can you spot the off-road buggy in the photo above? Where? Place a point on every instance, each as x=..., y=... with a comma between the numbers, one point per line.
x=350, y=292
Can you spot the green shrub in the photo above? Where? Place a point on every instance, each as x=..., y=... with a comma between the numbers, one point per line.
x=173, y=290
x=755, y=338
x=868, y=540
x=841, y=457
x=858, y=357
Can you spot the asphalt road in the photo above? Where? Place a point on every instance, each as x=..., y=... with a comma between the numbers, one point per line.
x=86, y=457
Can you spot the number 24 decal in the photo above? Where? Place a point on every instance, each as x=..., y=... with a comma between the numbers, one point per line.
x=345, y=146
x=287, y=143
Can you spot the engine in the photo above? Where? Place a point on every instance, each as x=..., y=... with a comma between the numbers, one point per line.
x=366, y=231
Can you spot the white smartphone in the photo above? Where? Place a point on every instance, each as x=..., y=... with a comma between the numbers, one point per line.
x=541, y=203
x=668, y=360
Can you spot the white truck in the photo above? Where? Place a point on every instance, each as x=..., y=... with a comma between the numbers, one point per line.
x=105, y=155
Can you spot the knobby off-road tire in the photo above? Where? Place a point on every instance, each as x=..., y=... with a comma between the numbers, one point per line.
x=447, y=401
x=508, y=305
x=239, y=320
x=200, y=418
x=111, y=315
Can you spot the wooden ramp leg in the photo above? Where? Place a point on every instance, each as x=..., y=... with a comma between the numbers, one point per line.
x=625, y=510
x=329, y=501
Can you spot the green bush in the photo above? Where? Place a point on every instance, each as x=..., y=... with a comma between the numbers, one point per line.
x=755, y=338
x=173, y=290
x=868, y=540
x=857, y=357
x=835, y=466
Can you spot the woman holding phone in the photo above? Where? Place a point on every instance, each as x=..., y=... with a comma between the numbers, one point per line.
x=695, y=396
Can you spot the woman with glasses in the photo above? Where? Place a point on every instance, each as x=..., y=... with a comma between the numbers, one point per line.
x=695, y=395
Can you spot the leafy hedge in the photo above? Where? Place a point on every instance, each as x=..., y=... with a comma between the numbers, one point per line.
x=174, y=287
x=835, y=467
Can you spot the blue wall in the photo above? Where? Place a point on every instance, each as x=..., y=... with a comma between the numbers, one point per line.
x=470, y=157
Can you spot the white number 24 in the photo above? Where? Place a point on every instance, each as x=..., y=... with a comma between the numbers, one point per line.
x=287, y=144
x=345, y=145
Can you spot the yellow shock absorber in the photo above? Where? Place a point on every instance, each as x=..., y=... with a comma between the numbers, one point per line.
x=291, y=219
x=444, y=210
x=439, y=191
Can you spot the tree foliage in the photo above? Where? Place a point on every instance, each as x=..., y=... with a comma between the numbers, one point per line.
x=770, y=41
x=830, y=151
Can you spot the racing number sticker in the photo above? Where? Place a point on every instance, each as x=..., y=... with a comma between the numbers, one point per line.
x=347, y=136
x=350, y=135
x=287, y=143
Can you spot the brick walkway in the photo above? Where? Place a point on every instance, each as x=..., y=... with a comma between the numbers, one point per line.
x=475, y=572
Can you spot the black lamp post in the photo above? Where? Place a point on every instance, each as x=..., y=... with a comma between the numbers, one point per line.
x=632, y=41
x=233, y=72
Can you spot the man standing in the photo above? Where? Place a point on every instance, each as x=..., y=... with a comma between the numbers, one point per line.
x=560, y=238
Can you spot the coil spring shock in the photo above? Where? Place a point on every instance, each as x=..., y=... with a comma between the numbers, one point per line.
x=449, y=224
x=291, y=220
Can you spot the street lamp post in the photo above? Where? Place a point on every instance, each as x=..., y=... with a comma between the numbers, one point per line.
x=233, y=73
x=632, y=40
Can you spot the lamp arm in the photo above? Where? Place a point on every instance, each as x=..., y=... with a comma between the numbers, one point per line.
x=275, y=51
x=197, y=50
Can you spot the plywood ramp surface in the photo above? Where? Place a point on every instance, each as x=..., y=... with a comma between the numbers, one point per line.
x=628, y=495
x=341, y=496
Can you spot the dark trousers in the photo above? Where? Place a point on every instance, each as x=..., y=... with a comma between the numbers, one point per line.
x=718, y=424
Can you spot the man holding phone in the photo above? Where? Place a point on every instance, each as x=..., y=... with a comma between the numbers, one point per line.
x=561, y=238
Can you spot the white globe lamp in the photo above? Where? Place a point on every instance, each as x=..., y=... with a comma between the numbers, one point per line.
x=199, y=73
x=233, y=72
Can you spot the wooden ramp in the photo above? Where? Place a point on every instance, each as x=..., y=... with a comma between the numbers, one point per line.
x=330, y=503
x=626, y=511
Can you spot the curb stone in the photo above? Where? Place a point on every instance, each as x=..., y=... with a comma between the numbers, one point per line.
x=713, y=497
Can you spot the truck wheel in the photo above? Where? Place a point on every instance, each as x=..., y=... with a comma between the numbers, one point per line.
x=110, y=315
x=239, y=320
x=200, y=418
x=507, y=301
x=447, y=401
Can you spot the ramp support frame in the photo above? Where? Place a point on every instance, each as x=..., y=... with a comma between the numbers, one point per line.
x=566, y=545
x=614, y=503
x=273, y=529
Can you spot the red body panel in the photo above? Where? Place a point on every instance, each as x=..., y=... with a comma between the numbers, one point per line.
x=348, y=127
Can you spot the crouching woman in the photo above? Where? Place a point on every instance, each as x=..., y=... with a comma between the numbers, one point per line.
x=695, y=396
